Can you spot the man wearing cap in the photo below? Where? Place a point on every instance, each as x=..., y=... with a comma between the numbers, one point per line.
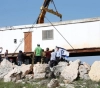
x=38, y=53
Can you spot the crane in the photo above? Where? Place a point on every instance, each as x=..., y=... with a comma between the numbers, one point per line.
x=45, y=9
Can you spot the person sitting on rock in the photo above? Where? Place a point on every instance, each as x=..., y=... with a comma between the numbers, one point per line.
x=58, y=55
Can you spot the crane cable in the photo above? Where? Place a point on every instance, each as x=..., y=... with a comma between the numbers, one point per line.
x=54, y=5
x=60, y=33
x=24, y=37
x=56, y=9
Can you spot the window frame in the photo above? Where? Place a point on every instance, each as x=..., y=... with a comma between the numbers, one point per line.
x=47, y=35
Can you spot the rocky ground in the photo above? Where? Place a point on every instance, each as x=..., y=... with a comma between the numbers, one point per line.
x=72, y=74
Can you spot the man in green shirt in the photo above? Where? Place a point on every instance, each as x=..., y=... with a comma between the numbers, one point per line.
x=38, y=53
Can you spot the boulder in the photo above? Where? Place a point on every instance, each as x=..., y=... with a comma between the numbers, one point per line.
x=87, y=66
x=94, y=73
x=63, y=63
x=86, y=76
x=6, y=63
x=83, y=72
x=53, y=84
x=5, y=68
x=59, y=68
x=26, y=69
x=39, y=71
x=70, y=73
x=82, y=69
x=12, y=75
x=67, y=81
x=50, y=75
x=17, y=73
x=29, y=76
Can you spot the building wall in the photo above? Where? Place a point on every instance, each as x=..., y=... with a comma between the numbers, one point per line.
x=79, y=35
x=7, y=40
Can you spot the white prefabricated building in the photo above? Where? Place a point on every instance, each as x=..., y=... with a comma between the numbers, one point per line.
x=83, y=33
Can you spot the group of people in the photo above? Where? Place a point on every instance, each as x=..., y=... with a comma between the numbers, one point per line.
x=19, y=58
x=41, y=56
x=49, y=57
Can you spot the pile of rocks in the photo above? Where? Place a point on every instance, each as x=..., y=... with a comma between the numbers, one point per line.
x=12, y=72
x=67, y=71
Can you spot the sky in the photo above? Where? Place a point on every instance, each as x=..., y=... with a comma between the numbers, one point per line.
x=24, y=12
x=88, y=59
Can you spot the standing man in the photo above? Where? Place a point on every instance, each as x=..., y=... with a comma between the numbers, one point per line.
x=48, y=55
x=38, y=53
x=43, y=56
x=58, y=55
x=6, y=54
x=20, y=58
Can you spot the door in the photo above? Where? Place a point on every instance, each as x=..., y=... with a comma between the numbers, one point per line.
x=27, y=41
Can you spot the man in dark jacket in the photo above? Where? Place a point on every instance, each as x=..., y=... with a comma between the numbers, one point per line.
x=20, y=58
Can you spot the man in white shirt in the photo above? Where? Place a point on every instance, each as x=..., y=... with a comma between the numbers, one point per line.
x=53, y=59
x=58, y=54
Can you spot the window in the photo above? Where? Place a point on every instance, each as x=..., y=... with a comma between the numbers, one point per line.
x=15, y=41
x=47, y=34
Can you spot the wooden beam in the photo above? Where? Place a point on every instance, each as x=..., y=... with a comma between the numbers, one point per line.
x=51, y=11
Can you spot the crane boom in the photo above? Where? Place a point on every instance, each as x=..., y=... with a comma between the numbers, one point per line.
x=45, y=9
